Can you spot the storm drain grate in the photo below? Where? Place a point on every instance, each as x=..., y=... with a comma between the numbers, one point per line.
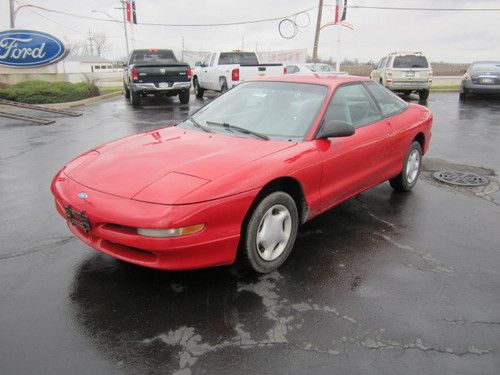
x=461, y=178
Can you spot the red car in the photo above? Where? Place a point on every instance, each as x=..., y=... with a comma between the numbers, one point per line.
x=240, y=175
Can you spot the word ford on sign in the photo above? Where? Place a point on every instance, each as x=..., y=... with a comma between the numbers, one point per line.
x=27, y=48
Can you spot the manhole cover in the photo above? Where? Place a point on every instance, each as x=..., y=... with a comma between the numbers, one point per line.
x=461, y=178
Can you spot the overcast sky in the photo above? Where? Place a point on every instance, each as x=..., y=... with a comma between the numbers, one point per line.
x=443, y=36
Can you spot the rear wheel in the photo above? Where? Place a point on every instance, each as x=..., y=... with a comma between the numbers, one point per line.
x=464, y=93
x=408, y=177
x=135, y=98
x=270, y=233
x=197, y=89
x=184, y=97
x=223, y=85
x=423, y=94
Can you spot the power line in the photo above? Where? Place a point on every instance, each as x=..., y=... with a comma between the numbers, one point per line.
x=172, y=24
x=425, y=9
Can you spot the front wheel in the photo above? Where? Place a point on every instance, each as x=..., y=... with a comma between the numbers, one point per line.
x=408, y=177
x=270, y=233
x=423, y=94
x=184, y=97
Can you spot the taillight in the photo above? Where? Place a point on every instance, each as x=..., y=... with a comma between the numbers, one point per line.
x=389, y=77
x=235, y=75
x=430, y=76
x=135, y=74
x=189, y=72
x=389, y=74
x=467, y=77
x=285, y=70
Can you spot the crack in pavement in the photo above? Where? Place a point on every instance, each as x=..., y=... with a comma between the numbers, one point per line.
x=37, y=249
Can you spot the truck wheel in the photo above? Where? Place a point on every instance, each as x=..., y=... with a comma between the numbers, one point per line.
x=223, y=85
x=184, y=97
x=463, y=94
x=135, y=98
x=269, y=235
x=126, y=92
x=423, y=94
x=197, y=89
x=408, y=177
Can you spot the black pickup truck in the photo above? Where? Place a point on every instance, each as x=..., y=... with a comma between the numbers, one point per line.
x=155, y=71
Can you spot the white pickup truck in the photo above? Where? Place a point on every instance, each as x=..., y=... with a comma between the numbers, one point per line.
x=220, y=71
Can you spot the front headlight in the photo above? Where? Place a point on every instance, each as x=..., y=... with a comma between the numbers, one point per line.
x=173, y=232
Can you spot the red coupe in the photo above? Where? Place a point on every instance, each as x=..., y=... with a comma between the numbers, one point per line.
x=239, y=176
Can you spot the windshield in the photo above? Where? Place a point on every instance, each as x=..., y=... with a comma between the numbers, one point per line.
x=278, y=110
x=486, y=67
x=248, y=58
x=320, y=68
x=410, y=61
x=153, y=56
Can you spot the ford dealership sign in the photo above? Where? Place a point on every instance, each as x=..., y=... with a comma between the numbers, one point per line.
x=27, y=48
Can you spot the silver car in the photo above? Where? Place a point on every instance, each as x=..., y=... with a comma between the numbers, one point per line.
x=404, y=72
x=312, y=68
x=482, y=77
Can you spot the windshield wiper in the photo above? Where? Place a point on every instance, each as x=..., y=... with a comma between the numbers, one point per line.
x=195, y=123
x=237, y=128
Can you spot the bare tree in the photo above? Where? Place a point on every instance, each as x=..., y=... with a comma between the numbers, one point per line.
x=96, y=44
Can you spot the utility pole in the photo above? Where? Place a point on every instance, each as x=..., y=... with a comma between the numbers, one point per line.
x=316, y=36
x=12, y=15
x=125, y=25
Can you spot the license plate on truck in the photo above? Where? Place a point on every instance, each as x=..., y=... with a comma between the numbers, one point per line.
x=164, y=85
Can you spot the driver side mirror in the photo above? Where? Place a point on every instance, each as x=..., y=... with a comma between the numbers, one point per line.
x=197, y=63
x=336, y=129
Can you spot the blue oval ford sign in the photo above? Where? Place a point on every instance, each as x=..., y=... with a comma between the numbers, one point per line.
x=28, y=48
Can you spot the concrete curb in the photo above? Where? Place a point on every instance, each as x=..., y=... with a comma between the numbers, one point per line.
x=94, y=99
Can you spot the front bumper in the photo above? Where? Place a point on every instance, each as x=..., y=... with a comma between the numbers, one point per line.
x=154, y=88
x=111, y=219
x=405, y=85
x=480, y=88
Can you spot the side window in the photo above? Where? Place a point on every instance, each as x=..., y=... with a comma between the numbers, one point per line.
x=292, y=69
x=389, y=103
x=381, y=63
x=388, y=62
x=352, y=104
x=212, y=59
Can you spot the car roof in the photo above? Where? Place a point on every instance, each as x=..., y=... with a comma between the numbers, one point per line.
x=316, y=79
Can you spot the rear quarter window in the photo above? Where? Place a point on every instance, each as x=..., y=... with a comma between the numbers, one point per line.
x=390, y=104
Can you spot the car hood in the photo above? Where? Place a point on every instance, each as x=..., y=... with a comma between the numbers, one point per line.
x=172, y=162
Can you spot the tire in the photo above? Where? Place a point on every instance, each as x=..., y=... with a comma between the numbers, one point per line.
x=197, y=89
x=407, y=93
x=464, y=94
x=423, y=94
x=135, y=98
x=223, y=85
x=126, y=92
x=184, y=97
x=407, y=178
x=264, y=250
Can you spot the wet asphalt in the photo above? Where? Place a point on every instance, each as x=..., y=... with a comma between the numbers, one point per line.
x=385, y=283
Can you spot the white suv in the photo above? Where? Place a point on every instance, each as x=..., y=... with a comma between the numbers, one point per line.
x=404, y=72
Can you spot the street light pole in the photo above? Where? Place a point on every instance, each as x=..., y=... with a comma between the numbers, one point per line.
x=114, y=19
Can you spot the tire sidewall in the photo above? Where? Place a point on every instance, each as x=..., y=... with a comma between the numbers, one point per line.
x=414, y=146
x=250, y=232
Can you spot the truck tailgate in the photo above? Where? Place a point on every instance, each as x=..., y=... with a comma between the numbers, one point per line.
x=248, y=72
x=162, y=73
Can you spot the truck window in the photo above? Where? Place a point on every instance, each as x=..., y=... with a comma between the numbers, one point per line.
x=153, y=56
x=243, y=58
x=212, y=59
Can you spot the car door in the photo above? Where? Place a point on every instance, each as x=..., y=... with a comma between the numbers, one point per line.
x=355, y=163
x=213, y=73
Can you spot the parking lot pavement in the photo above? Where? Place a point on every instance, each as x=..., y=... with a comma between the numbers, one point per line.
x=383, y=284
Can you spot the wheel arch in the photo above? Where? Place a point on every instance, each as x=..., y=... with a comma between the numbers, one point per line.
x=420, y=138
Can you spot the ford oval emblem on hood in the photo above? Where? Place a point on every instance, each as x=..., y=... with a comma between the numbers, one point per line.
x=83, y=195
x=28, y=48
